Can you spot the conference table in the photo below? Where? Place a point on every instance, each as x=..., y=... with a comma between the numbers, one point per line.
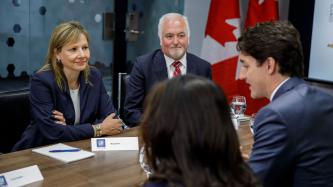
x=106, y=168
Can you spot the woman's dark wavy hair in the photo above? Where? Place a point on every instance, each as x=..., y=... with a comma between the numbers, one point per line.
x=189, y=137
x=279, y=40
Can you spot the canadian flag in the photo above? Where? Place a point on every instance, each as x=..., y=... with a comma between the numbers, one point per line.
x=260, y=11
x=219, y=45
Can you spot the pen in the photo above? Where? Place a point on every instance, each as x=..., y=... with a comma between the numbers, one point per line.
x=63, y=150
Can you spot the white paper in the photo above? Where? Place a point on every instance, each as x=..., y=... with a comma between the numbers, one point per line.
x=114, y=144
x=64, y=156
x=21, y=177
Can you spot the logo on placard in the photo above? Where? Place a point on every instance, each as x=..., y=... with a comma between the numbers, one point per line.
x=100, y=142
x=3, y=181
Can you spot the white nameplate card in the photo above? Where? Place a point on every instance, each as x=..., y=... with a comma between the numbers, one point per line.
x=114, y=144
x=21, y=177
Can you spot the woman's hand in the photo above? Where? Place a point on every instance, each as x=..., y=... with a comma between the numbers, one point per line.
x=59, y=117
x=111, y=126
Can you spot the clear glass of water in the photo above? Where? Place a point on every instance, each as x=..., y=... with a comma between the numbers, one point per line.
x=145, y=167
x=238, y=106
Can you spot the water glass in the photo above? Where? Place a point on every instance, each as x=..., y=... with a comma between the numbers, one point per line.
x=145, y=167
x=238, y=106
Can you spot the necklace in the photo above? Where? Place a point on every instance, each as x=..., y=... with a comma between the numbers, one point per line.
x=75, y=90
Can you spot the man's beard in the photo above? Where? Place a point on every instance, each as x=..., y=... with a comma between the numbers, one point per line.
x=177, y=53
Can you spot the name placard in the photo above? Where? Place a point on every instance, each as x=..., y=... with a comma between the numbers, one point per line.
x=114, y=144
x=21, y=177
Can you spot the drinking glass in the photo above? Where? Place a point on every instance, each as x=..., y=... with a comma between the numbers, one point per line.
x=238, y=106
x=145, y=167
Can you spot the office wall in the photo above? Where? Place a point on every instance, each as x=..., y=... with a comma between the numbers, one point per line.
x=29, y=24
x=150, y=11
x=196, y=10
x=29, y=49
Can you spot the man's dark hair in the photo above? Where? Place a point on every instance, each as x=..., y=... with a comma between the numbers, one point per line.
x=279, y=40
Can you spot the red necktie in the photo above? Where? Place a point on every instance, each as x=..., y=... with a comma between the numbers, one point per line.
x=177, y=71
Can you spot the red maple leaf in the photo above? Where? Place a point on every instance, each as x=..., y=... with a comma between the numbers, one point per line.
x=219, y=12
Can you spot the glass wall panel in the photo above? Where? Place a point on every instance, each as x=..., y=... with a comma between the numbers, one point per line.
x=25, y=28
x=149, y=13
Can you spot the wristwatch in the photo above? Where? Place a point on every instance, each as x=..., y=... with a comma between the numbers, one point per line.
x=98, y=130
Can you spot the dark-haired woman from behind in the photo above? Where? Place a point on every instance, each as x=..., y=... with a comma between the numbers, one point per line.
x=189, y=138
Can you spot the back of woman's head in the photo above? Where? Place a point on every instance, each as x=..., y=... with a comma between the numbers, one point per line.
x=188, y=134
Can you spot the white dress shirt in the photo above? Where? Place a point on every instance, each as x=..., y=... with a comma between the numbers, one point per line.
x=171, y=68
x=277, y=88
x=76, y=102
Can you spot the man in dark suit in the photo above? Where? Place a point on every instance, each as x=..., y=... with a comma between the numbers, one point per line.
x=169, y=61
x=293, y=134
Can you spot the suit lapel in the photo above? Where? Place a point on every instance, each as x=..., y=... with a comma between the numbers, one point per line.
x=83, y=93
x=159, y=66
x=191, y=68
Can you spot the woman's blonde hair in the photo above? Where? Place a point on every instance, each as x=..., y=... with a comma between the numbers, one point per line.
x=65, y=33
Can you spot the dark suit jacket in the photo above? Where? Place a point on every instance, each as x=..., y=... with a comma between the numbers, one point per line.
x=293, y=138
x=95, y=105
x=147, y=71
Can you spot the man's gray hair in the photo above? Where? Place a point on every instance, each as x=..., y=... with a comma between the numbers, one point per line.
x=169, y=16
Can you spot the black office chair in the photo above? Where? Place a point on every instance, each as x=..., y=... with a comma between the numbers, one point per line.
x=123, y=79
x=14, y=117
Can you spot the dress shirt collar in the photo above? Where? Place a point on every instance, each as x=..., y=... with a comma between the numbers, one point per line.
x=277, y=88
x=170, y=67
